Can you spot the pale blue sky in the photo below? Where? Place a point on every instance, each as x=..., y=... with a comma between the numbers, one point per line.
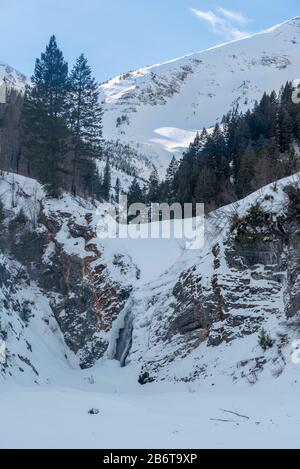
x=121, y=35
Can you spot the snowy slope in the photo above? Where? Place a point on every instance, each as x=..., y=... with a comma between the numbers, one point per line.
x=183, y=416
x=158, y=109
x=253, y=297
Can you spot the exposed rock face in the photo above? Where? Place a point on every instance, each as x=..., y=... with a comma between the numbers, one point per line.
x=67, y=265
x=88, y=302
x=208, y=308
x=226, y=294
x=17, y=310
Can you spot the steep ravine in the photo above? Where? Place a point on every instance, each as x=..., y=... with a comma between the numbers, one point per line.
x=166, y=312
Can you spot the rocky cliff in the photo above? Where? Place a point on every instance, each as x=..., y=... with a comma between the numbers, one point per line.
x=53, y=245
x=230, y=308
x=212, y=311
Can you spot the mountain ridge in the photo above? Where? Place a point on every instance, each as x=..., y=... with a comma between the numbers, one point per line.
x=158, y=109
x=223, y=44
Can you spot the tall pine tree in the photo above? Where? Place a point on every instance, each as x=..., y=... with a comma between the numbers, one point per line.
x=85, y=116
x=135, y=194
x=153, y=187
x=170, y=185
x=117, y=189
x=106, y=183
x=44, y=129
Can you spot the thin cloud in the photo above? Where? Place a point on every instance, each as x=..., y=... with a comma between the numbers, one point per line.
x=233, y=16
x=224, y=25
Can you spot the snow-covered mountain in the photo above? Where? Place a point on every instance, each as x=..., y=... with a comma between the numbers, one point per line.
x=158, y=109
x=13, y=78
x=189, y=322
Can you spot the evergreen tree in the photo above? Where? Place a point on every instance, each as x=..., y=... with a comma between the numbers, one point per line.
x=169, y=187
x=187, y=174
x=246, y=173
x=242, y=142
x=44, y=128
x=217, y=159
x=230, y=123
x=286, y=95
x=247, y=152
x=85, y=117
x=153, y=187
x=274, y=117
x=205, y=186
x=2, y=213
x=286, y=126
x=195, y=146
x=117, y=189
x=184, y=182
x=203, y=136
x=135, y=193
x=106, y=184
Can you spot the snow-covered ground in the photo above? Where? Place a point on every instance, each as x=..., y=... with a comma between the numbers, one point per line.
x=153, y=416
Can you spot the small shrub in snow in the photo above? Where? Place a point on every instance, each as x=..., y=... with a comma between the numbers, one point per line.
x=3, y=331
x=145, y=378
x=19, y=221
x=265, y=340
x=251, y=228
x=294, y=201
x=25, y=311
x=21, y=218
x=93, y=411
x=3, y=334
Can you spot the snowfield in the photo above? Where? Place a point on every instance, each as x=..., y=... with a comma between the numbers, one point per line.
x=155, y=416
